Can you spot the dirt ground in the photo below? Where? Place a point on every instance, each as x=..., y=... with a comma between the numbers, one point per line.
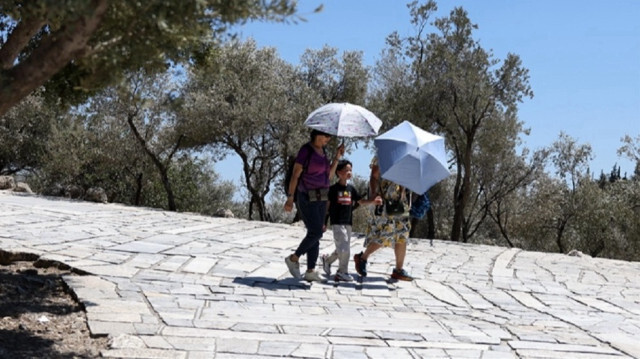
x=39, y=318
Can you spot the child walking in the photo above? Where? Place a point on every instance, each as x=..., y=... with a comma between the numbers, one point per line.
x=343, y=199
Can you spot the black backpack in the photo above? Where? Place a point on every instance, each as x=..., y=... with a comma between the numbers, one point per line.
x=291, y=161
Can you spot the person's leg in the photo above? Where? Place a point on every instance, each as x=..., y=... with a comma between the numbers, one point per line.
x=343, y=246
x=371, y=247
x=312, y=214
x=400, y=251
x=337, y=234
x=328, y=259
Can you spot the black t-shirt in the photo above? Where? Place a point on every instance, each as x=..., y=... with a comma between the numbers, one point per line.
x=343, y=200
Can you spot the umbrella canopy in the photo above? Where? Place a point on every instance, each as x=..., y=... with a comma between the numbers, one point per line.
x=412, y=157
x=344, y=119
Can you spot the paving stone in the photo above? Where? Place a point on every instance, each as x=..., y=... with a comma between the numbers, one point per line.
x=189, y=344
x=348, y=352
x=143, y=353
x=516, y=344
x=277, y=349
x=111, y=328
x=311, y=351
x=388, y=353
x=141, y=247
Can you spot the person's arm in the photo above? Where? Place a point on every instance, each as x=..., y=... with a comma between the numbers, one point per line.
x=374, y=179
x=376, y=201
x=334, y=163
x=293, y=185
x=360, y=201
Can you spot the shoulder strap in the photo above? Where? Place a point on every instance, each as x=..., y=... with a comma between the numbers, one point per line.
x=305, y=165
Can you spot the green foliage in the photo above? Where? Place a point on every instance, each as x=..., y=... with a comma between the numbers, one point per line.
x=94, y=44
x=196, y=188
x=247, y=100
x=447, y=83
x=334, y=79
x=23, y=134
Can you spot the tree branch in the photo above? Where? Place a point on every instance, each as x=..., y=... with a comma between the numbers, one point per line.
x=18, y=40
x=53, y=54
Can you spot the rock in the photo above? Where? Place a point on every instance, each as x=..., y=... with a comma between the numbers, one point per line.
x=73, y=191
x=22, y=187
x=7, y=182
x=126, y=341
x=576, y=253
x=96, y=194
x=55, y=190
x=226, y=213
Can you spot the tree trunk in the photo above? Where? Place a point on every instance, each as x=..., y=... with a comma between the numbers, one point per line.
x=431, y=233
x=54, y=53
x=462, y=195
x=260, y=206
x=167, y=184
x=164, y=172
x=559, y=232
x=138, y=199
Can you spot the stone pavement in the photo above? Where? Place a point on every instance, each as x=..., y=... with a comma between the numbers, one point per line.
x=178, y=285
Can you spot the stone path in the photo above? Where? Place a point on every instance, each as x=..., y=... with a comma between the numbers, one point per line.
x=177, y=285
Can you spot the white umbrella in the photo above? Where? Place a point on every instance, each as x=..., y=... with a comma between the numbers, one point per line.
x=345, y=120
x=411, y=157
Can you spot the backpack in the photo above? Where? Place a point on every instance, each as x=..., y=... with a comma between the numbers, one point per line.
x=420, y=206
x=291, y=161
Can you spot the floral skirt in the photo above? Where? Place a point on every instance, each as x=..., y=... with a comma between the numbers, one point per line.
x=387, y=230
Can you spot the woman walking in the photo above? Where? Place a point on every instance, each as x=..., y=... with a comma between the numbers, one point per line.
x=311, y=180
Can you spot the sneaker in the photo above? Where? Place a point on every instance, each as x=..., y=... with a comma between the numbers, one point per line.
x=326, y=265
x=342, y=277
x=312, y=277
x=294, y=267
x=361, y=264
x=401, y=275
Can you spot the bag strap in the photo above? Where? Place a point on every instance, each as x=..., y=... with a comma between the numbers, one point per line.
x=402, y=192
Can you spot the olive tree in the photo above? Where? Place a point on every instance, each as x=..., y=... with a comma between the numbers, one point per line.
x=570, y=160
x=24, y=131
x=82, y=46
x=631, y=149
x=124, y=140
x=456, y=88
x=251, y=102
x=335, y=78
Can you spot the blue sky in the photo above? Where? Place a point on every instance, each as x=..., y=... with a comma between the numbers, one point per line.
x=583, y=58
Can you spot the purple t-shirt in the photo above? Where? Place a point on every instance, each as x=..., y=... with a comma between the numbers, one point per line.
x=316, y=175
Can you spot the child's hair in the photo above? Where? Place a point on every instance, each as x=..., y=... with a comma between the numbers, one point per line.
x=342, y=164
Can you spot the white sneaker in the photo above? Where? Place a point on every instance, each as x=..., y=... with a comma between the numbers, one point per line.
x=326, y=265
x=312, y=277
x=294, y=267
x=342, y=277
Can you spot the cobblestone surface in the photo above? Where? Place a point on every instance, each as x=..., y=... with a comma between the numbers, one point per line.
x=176, y=285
